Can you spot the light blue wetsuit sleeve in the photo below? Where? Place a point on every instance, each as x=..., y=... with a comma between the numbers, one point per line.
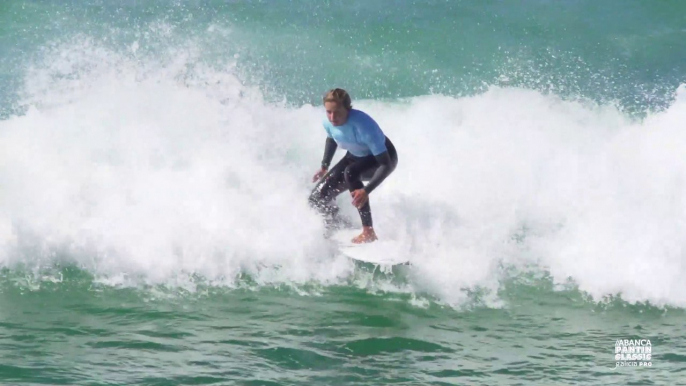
x=370, y=133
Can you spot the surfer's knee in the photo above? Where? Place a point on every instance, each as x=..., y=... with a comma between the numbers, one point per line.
x=315, y=199
x=320, y=199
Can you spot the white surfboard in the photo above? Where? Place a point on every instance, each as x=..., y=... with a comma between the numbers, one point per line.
x=380, y=252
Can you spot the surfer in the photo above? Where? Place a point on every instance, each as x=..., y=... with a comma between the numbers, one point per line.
x=370, y=157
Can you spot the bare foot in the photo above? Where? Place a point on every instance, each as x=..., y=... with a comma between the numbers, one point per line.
x=368, y=235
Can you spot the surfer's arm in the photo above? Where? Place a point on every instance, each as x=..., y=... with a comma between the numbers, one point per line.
x=384, y=170
x=329, y=150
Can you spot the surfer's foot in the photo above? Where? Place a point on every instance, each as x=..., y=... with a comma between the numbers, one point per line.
x=368, y=235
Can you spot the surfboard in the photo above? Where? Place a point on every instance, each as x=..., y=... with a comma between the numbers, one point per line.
x=380, y=252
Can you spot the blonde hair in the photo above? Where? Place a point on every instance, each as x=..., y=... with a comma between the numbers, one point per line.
x=339, y=95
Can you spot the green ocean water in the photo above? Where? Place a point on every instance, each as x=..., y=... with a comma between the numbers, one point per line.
x=154, y=166
x=75, y=332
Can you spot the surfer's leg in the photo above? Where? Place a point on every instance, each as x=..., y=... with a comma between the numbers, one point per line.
x=327, y=189
x=362, y=169
x=353, y=174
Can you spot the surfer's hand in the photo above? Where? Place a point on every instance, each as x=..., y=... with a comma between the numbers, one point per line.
x=319, y=174
x=360, y=197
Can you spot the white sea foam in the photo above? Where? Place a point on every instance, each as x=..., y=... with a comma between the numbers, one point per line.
x=146, y=170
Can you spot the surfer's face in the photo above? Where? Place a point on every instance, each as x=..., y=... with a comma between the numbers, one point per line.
x=336, y=112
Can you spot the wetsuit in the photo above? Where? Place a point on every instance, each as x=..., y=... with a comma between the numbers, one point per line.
x=370, y=157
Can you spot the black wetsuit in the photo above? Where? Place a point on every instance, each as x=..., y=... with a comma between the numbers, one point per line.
x=348, y=174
